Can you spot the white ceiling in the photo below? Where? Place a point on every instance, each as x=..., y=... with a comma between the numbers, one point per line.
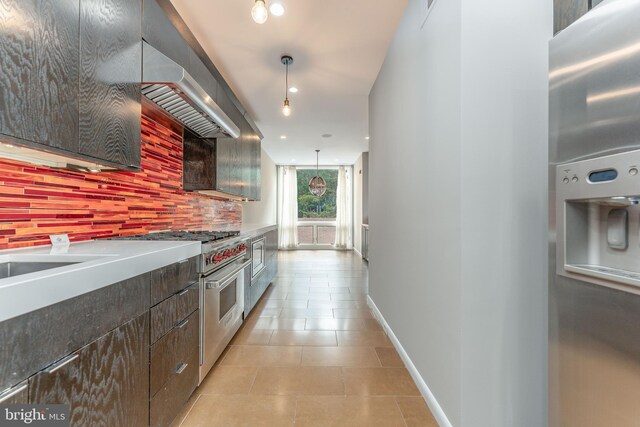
x=338, y=47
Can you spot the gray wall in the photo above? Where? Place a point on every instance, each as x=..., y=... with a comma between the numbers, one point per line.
x=458, y=125
x=264, y=211
x=415, y=196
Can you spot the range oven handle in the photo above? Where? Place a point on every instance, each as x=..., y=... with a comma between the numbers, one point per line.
x=219, y=283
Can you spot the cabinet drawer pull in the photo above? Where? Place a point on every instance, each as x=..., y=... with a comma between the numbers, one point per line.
x=182, y=324
x=12, y=392
x=62, y=363
x=181, y=293
x=181, y=368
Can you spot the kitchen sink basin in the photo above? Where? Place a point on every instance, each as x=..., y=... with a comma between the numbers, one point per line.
x=17, y=268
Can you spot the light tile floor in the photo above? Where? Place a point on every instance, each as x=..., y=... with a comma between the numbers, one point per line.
x=310, y=354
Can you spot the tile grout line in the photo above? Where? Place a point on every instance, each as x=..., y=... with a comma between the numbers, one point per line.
x=189, y=411
x=395, y=399
x=255, y=377
x=295, y=410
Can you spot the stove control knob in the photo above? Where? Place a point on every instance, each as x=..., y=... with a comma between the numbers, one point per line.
x=227, y=253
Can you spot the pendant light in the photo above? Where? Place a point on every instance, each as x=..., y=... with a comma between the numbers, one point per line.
x=259, y=12
x=286, y=108
x=317, y=185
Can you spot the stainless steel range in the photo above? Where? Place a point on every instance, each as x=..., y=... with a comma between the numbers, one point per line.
x=222, y=270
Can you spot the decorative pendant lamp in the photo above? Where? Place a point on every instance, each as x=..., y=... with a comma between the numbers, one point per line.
x=286, y=108
x=317, y=185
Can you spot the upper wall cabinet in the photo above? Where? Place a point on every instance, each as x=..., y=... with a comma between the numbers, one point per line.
x=70, y=73
x=39, y=71
x=227, y=165
x=110, y=76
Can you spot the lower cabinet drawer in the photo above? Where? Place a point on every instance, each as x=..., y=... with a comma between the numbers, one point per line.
x=168, y=402
x=172, y=311
x=172, y=351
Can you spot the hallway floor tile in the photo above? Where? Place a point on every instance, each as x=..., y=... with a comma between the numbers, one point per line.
x=310, y=354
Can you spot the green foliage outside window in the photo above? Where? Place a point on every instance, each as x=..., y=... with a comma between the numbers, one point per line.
x=310, y=206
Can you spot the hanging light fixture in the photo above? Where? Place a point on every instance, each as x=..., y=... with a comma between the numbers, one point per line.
x=259, y=12
x=286, y=108
x=317, y=185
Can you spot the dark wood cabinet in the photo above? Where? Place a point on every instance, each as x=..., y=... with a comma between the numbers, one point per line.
x=175, y=343
x=70, y=73
x=228, y=165
x=255, y=171
x=566, y=12
x=172, y=352
x=168, y=402
x=173, y=278
x=224, y=147
x=15, y=395
x=39, y=70
x=137, y=352
x=106, y=383
x=200, y=156
x=110, y=76
x=262, y=278
x=237, y=183
x=272, y=253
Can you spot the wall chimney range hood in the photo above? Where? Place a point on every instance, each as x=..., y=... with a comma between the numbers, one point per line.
x=168, y=85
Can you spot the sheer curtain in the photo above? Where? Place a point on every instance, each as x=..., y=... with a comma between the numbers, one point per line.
x=288, y=207
x=343, y=209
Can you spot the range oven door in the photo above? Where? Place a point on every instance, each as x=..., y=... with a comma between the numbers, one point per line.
x=222, y=305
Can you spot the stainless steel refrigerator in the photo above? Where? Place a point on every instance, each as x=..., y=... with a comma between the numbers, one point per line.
x=594, y=180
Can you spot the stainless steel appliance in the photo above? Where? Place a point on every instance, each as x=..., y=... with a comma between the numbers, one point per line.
x=223, y=264
x=258, y=252
x=221, y=300
x=594, y=262
x=168, y=85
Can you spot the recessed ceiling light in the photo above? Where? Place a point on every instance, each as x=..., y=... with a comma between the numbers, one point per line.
x=366, y=137
x=326, y=135
x=293, y=89
x=283, y=136
x=293, y=160
x=277, y=9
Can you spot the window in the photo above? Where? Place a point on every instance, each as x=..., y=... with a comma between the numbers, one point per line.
x=317, y=215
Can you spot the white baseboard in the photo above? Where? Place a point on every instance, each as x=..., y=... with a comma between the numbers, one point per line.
x=433, y=404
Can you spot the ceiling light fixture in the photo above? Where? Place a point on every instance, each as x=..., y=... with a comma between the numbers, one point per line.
x=277, y=9
x=259, y=12
x=293, y=89
x=283, y=136
x=366, y=137
x=286, y=108
x=317, y=185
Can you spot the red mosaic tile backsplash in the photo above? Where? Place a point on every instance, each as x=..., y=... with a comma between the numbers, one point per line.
x=36, y=201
